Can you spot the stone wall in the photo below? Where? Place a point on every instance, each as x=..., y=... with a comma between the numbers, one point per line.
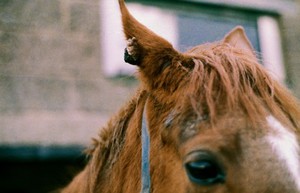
x=51, y=85
x=291, y=37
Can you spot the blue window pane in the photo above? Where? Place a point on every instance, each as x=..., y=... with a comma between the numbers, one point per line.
x=195, y=30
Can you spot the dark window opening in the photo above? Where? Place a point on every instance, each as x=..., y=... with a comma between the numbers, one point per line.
x=34, y=169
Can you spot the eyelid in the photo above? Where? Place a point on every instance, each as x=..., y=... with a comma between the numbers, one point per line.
x=204, y=155
x=199, y=155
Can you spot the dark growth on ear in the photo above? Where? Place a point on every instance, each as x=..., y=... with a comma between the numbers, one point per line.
x=130, y=59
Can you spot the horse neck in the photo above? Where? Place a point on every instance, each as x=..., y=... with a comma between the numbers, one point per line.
x=115, y=164
x=125, y=173
x=120, y=170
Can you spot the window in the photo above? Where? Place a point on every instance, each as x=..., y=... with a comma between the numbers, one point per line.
x=189, y=23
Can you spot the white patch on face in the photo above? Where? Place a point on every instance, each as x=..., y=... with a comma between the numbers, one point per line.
x=286, y=147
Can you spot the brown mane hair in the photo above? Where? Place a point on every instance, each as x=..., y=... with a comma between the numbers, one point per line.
x=226, y=77
x=106, y=148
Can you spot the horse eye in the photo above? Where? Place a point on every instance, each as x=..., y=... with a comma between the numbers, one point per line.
x=205, y=172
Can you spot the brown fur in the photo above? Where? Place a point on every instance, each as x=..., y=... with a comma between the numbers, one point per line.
x=213, y=94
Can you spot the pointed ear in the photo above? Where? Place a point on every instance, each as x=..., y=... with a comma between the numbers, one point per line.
x=153, y=54
x=238, y=38
x=134, y=29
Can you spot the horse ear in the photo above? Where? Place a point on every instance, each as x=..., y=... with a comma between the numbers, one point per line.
x=238, y=38
x=150, y=52
x=134, y=29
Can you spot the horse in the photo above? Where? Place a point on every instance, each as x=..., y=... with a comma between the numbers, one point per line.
x=209, y=120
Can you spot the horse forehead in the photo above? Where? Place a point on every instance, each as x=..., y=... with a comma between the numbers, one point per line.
x=274, y=155
x=285, y=145
x=270, y=156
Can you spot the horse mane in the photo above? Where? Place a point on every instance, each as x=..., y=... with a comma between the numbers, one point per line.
x=225, y=77
x=106, y=148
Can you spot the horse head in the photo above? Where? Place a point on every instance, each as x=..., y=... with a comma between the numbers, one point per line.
x=215, y=121
x=224, y=124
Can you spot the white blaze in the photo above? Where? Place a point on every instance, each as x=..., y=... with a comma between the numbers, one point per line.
x=286, y=147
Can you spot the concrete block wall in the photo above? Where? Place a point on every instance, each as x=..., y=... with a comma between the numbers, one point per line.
x=52, y=89
x=291, y=37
